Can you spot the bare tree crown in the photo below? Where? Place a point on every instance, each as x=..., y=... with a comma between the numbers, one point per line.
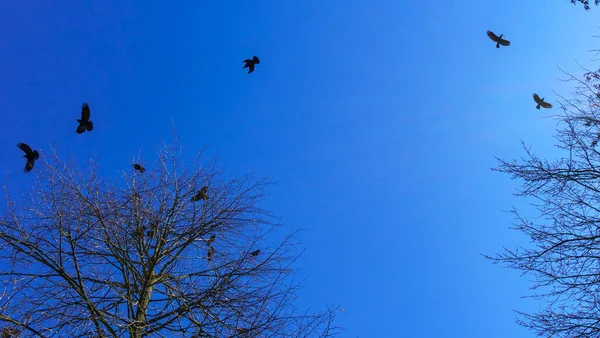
x=86, y=258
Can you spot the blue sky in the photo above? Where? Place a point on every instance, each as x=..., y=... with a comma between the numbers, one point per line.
x=379, y=119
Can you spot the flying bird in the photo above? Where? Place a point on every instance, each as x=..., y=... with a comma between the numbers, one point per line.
x=540, y=102
x=139, y=167
x=255, y=253
x=30, y=155
x=498, y=39
x=201, y=195
x=250, y=64
x=85, y=123
x=211, y=239
x=211, y=251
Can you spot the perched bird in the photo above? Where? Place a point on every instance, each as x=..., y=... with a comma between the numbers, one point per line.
x=8, y=332
x=255, y=253
x=250, y=64
x=595, y=141
x=150, y=233
x=139, y=167
x=211, y=251
x=201, y=195
x=540, y=102
x=30, y=155
x=85, y=123
x=498, y=39
x=211, y=239
x=139, y=231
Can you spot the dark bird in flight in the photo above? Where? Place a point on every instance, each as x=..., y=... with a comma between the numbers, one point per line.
x=139, y=167
x=85, y=123
x=250, y=64
x=211, y=251
x=255, y=253
x=30, y=155
x=211, y=239
x=540, y=102
x=498, y=39
x=201, y=195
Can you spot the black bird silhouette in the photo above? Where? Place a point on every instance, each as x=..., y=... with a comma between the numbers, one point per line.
x=85, y=123
x=250, y=64
x=211, y=251
x=255, y=253
x=139, y=167
x=498, y=39
x=540, y=102
x=9, y=332
x=211, y=239
x=201, y=195
x=30, y=155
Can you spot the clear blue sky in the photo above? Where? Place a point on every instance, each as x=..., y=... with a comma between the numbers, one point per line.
x=379, y=119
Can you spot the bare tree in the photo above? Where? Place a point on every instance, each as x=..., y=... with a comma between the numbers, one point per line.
x=564, y=255
x=82, y=257
x=585, y=3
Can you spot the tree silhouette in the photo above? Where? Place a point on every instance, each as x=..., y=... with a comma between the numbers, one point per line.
x=83, y=257
x=564, y=254
x=586, y=3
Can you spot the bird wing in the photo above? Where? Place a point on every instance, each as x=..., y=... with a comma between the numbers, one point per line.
x=25, y=148
x=545, y=104
x=504, y=42
x=29, y=165
x=81, y=128
x=493, y=36
x=536, y=98
x=85, y=112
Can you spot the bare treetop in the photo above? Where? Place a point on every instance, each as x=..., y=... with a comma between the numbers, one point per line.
x=84, y=257
x=585, y=3
x=565, y=234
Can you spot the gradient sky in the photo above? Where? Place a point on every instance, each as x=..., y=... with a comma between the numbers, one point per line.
x=379, y=119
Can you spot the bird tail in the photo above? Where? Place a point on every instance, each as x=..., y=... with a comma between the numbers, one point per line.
x=497, y=44
x=36, y=155
x=537, y=107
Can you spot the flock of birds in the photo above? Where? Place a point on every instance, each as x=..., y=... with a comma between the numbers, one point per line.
x=503, y=42
x=86, y=124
